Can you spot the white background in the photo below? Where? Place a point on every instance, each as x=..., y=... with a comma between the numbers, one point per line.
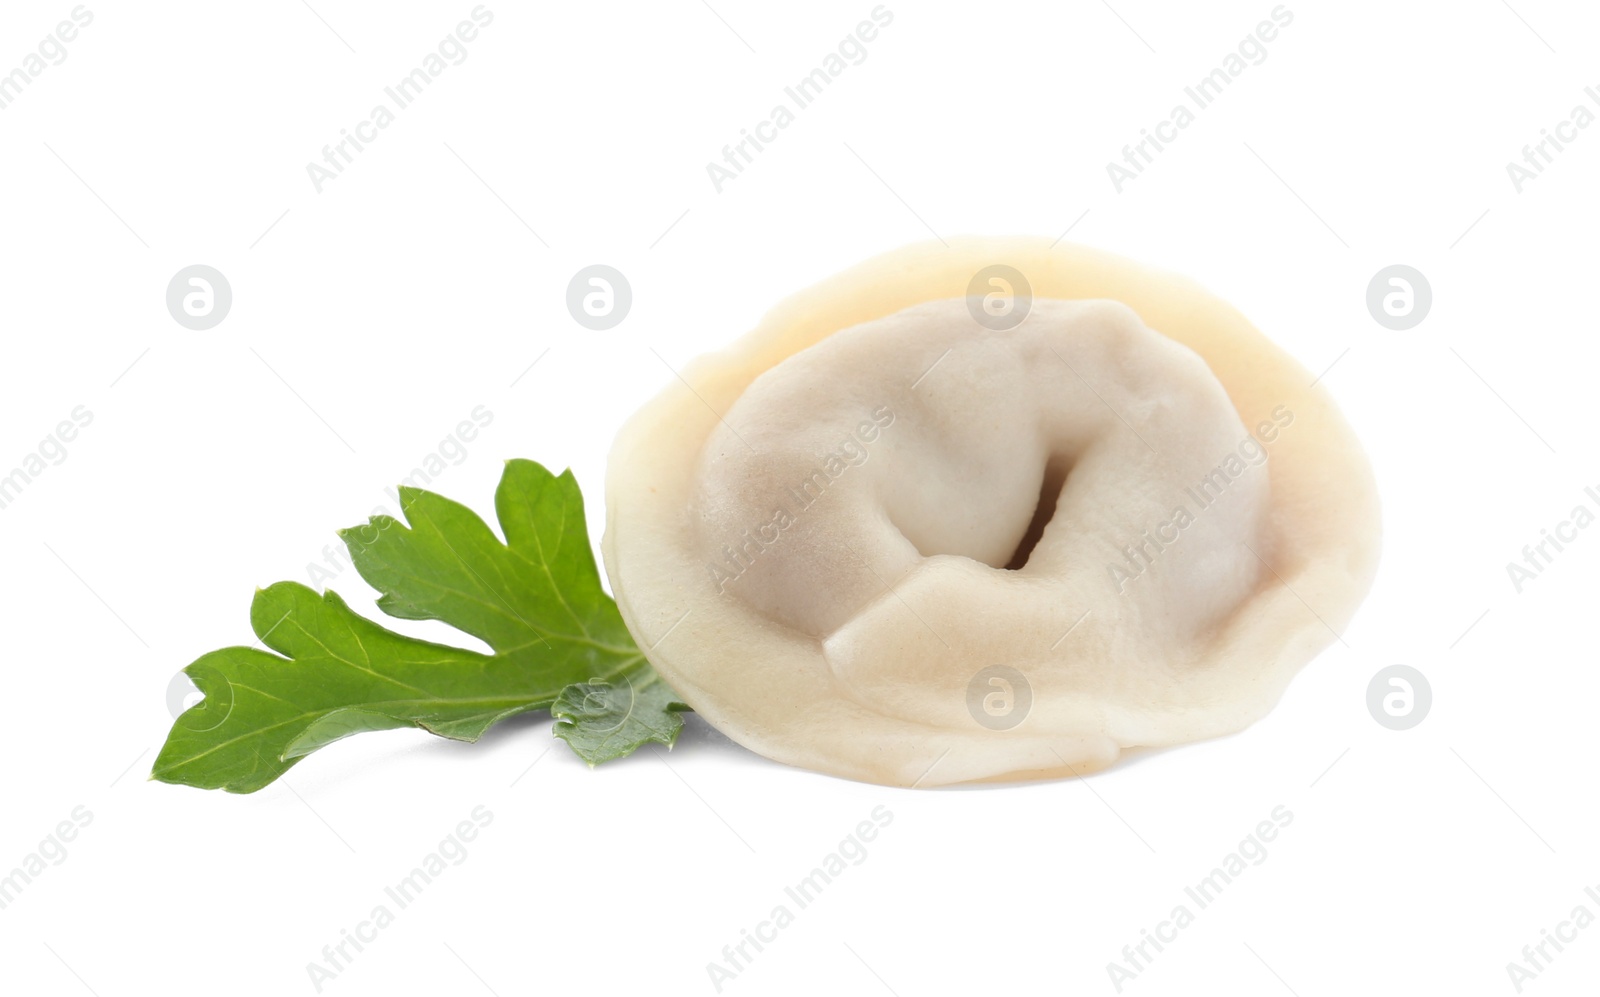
x=371, y=318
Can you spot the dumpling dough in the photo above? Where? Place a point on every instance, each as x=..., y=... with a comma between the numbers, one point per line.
x=882, y=540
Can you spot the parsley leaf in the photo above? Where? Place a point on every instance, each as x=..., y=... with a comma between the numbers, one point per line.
x=609, y=719
x=557, y=640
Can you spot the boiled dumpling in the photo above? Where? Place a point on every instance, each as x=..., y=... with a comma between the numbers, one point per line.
x=890, y=537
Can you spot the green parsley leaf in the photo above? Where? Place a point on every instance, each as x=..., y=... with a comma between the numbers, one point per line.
x=535, y=600
x=610, y=719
